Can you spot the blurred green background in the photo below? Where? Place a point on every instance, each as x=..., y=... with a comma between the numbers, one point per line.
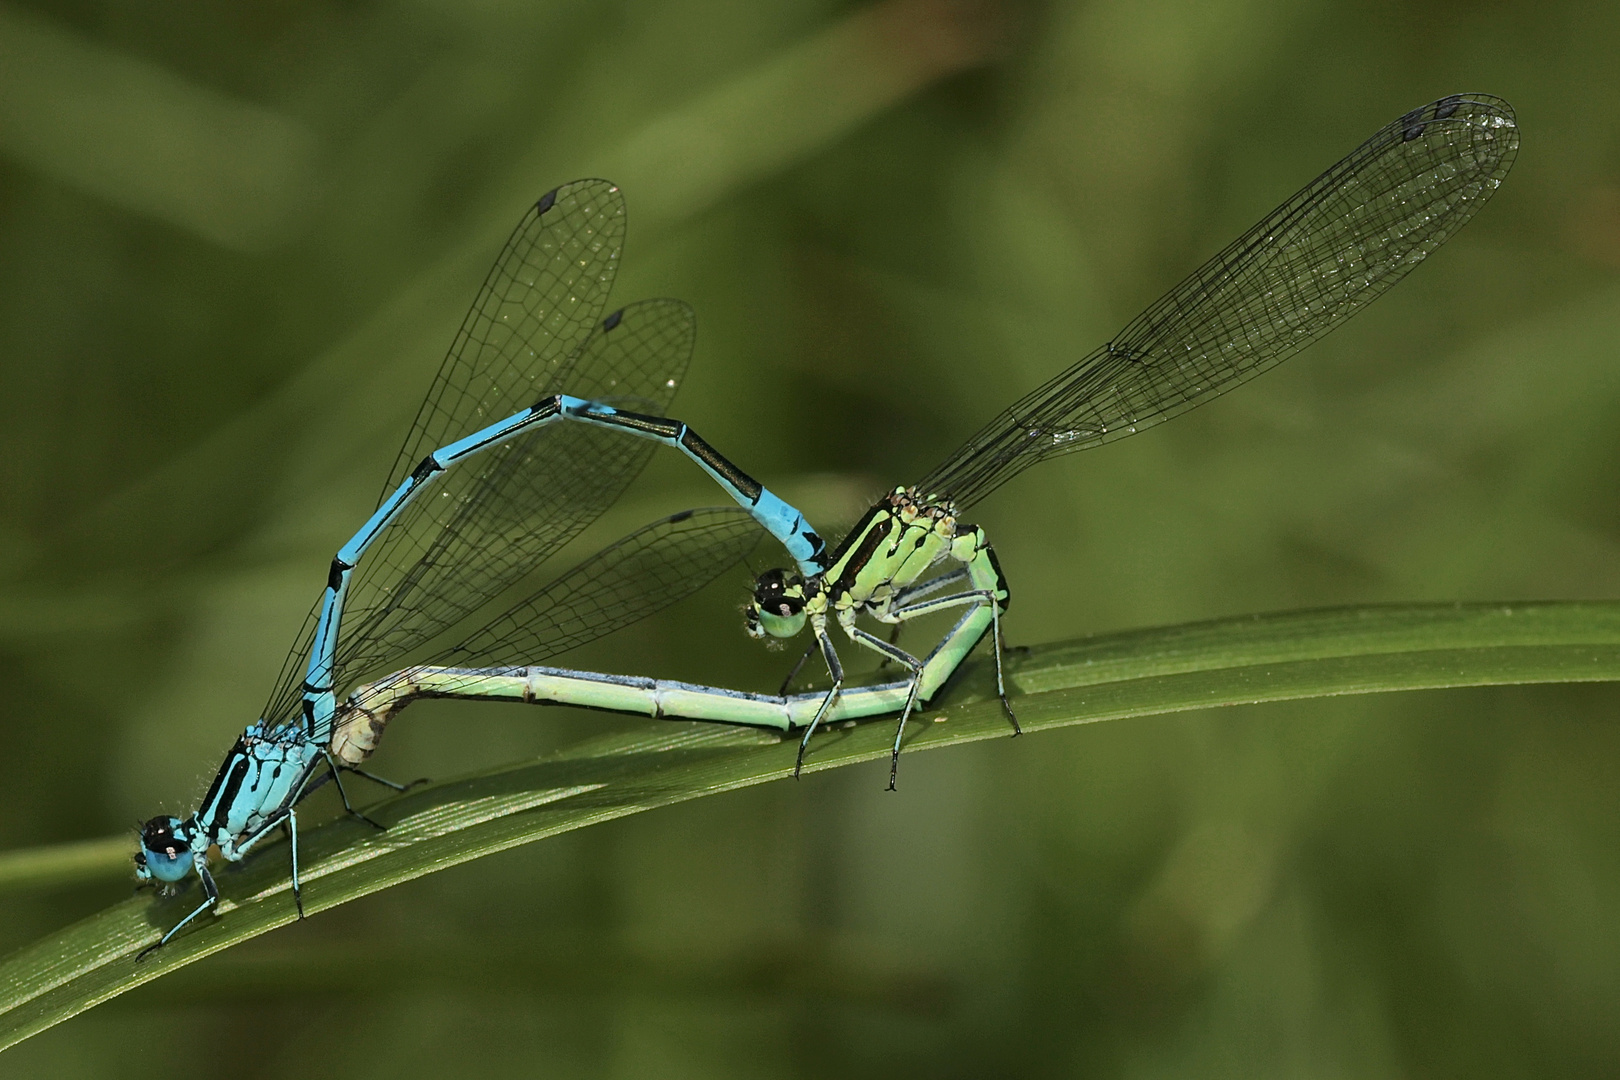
x=236, y=238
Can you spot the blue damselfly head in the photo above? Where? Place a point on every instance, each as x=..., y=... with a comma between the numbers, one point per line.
x=165, y=853
x=777, y=609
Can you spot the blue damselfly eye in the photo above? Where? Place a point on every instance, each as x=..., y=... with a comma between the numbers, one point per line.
x=163, y=855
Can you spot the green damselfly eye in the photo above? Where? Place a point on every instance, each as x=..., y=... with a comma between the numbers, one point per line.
x=778, y=607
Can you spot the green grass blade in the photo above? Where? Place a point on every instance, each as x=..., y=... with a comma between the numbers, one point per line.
x=63, y=864
x=1233, y=661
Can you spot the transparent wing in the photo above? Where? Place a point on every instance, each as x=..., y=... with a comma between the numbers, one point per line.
x=498, y=516
x=644, y=573
x=546, y=291
x=640, y=575
x=1306, y=267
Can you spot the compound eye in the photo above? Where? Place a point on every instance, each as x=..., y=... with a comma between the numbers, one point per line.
x=779, y=626
x=778, y=607
x=774, y=595
x=783, y=606
x=163, y=855
x=162, y=834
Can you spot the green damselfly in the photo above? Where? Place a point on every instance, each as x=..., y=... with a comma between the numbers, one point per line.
x=1305, y=268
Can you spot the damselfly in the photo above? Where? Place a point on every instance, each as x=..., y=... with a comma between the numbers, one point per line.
x=1307, y=266
x=544, y=472
x=502, y=467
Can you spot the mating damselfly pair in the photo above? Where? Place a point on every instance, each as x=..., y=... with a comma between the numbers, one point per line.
x=545, y=410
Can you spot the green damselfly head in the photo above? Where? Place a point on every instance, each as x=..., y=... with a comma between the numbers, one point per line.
x=777, y=609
